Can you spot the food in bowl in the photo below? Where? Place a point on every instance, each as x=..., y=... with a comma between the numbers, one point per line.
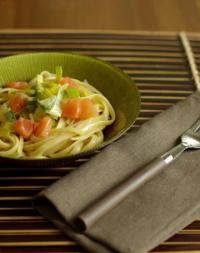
x=51, y=116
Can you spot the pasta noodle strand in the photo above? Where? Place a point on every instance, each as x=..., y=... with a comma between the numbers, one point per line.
x=67, y=136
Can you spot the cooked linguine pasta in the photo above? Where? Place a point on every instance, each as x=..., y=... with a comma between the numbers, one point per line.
x=51, y=116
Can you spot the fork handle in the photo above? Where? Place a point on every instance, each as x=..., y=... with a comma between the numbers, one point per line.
x=174, y=153
x=95, y=211
x=111, y=199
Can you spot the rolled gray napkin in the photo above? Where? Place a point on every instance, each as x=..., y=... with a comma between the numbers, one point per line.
x=152, y=214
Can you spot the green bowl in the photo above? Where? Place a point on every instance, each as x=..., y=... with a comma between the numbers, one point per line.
x=111, y=81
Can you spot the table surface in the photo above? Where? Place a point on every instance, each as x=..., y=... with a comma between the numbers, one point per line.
x=157, y=64
x=104, y=14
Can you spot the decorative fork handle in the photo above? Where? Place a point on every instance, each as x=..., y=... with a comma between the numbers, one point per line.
x=111, y=199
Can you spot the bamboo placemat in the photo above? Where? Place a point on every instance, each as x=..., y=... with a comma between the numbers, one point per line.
x=158, y=65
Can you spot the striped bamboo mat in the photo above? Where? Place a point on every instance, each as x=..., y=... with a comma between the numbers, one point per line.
x=158, y=65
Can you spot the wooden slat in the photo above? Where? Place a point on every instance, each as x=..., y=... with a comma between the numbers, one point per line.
x=92, y=41
x=158, y=60
x=150, y=50
x=161, y=86
x=145, y=72
x=55, y=231
x=21, y=187
x=149, y=66
x=36, y=244
x=19, y=218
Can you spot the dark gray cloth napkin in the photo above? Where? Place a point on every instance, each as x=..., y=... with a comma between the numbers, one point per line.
x=147, y=217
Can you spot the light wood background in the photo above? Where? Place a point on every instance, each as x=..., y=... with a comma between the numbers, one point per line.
x=167, y=15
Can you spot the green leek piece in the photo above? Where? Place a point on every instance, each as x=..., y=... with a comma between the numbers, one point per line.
x=39, y=113
x=30, y=91
x=47, y=103
x=31, y=107
x=50, y=89
x=51, y=105
x=59, y=73
x=39, y=84
x=53, y=87
x=11, y=91
x=10, y=116
x=3, y=110
x=47, y=93
x=73, y=93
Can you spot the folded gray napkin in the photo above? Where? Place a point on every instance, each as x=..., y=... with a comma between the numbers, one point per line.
x=163, y=206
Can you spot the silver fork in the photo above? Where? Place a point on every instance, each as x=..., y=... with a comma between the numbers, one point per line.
x=190, y=139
